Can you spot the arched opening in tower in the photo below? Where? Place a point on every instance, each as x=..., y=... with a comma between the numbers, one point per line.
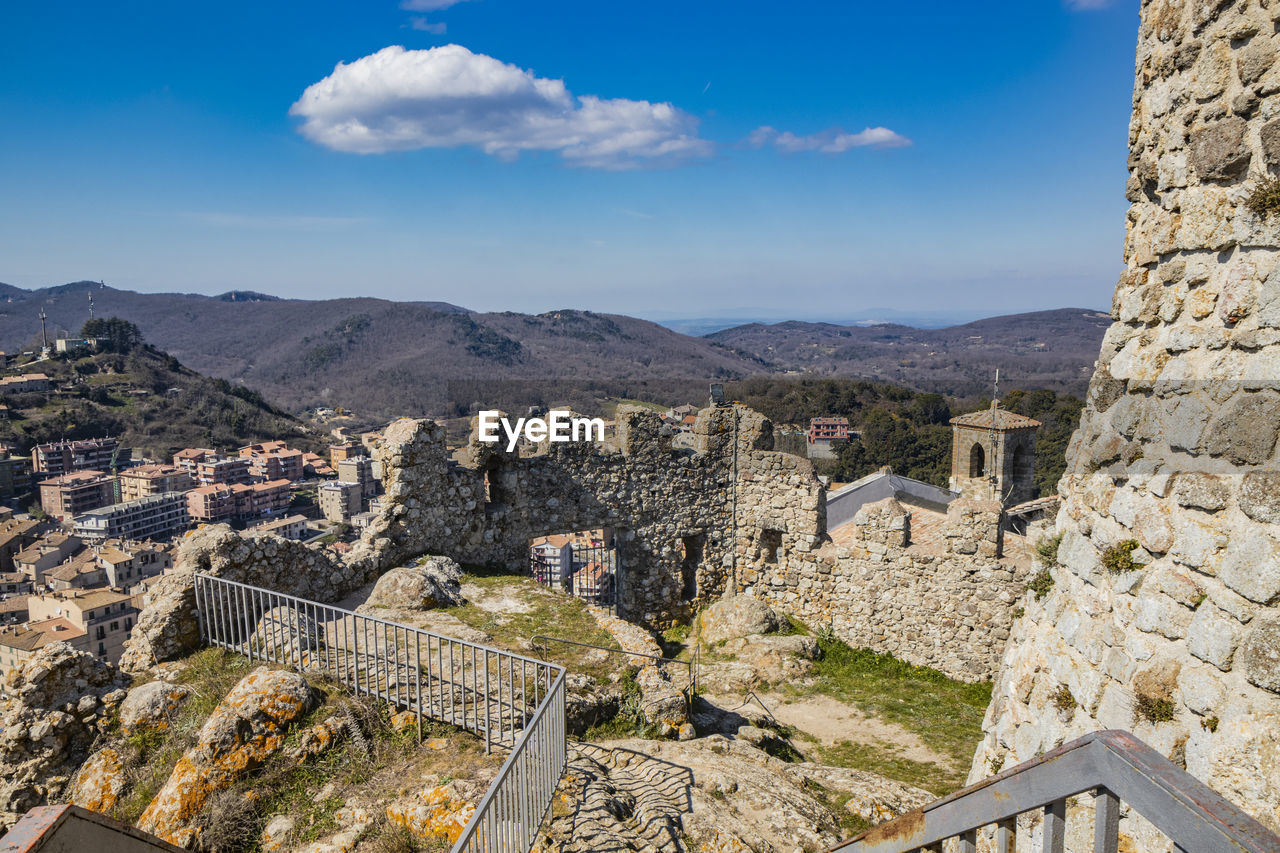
x=977, y=461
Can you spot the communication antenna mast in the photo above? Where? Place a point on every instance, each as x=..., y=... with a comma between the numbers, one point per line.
x=994, y=478
x=44, y=335
x=90, y=306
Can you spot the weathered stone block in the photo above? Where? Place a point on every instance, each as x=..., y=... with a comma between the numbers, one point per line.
x=1260, y=654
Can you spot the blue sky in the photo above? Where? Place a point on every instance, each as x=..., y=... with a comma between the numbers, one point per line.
x=810, y=159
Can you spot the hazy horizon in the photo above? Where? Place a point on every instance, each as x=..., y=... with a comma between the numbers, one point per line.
x=489, y=154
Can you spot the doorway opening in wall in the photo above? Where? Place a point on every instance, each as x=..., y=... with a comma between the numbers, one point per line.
x=691, y=549
x=584, y=563
x=770, y=542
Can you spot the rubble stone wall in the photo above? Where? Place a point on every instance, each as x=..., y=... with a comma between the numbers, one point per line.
x=949, y=607
x=1163, y=616
x=674, y=513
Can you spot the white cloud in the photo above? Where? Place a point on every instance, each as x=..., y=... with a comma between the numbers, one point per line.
x=428, y=5
x=449, y=97
x=831, y=141
x=418, y=22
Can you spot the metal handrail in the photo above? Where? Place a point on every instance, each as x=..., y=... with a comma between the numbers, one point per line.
x=1115, y=766
x=508, y=698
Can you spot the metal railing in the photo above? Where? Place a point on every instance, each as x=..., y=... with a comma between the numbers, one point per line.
x=508, y=699
x=1115, y=767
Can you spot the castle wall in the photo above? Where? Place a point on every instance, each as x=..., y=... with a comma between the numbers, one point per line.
x=1163, y=618
x=947, y=604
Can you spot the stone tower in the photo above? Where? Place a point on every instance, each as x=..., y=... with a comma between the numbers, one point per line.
x=993, y=455
x=1163, y=616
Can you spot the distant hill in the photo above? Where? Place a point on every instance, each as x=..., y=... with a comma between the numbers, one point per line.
x=1041, y=349
x=149, y=400
x=386, y=358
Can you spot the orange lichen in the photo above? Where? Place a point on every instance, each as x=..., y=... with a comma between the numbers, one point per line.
x=100, y=782
x=435, y=813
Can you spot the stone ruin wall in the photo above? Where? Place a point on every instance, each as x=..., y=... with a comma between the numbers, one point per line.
x=948, y=606
x=881, y=596
x=1176, y=449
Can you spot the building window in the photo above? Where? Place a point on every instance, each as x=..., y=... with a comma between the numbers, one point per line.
x=770, y=542
x=115, y=626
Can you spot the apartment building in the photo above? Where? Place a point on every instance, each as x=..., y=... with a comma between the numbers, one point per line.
x=211, y=504
x=80, y=572
x=62, y=457
x=260, y=500
x=25, y=384
x=147, y=480
x=274, y=460
x=18, y=643
x=107, y=617
x=346, y=450
x=223, y=472
x=358, y=469
x=339, y=501
x=126, y=564
x=68, y=495
x=827, y=430
x=18, y=534
x=189, y=459
x=46, y=553
x=145, y=518
x=290, y=527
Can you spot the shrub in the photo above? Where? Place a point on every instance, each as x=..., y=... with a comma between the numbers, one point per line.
x=1062, y=698
x=1119, y=558
x=1209, y=724
x=1047, y=549
x=1265, y=198
x=1155, y=709
x=1041, y=583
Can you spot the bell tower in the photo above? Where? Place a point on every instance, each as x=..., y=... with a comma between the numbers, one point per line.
x=993, y=455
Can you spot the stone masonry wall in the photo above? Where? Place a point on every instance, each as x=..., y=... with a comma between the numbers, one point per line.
x=947, y=605
x=749, y=518
x=1163, y=616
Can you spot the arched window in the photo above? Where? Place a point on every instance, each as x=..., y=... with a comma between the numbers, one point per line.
x=977, y=461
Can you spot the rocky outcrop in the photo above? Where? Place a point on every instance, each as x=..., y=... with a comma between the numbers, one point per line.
x=708, y=794
x=168, y=627
x=737, y=616
x=60, y=702
x=151, y=706
x=247, y=727
x=1162, y=613
x=100, y=782
x=427, y=584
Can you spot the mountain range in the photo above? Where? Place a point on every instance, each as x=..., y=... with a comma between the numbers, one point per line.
x=385, y=358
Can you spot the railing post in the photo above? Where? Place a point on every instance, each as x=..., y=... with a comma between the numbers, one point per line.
x=1055, y=826
x=969, y=841
x=1007, y=835
x=1106, y=822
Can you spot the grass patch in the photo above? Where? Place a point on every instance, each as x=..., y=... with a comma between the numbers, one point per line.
x=946, y=714
x=883, y=759
x=1047, y=549
x=1119, y=557
x=1041, y=583
x=1264, y=201
x=550, y=613
x=1154, y=709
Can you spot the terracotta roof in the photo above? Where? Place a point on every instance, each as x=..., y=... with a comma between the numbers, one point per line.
x=996, y=418
x=39, y=634
x=1034, y=505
